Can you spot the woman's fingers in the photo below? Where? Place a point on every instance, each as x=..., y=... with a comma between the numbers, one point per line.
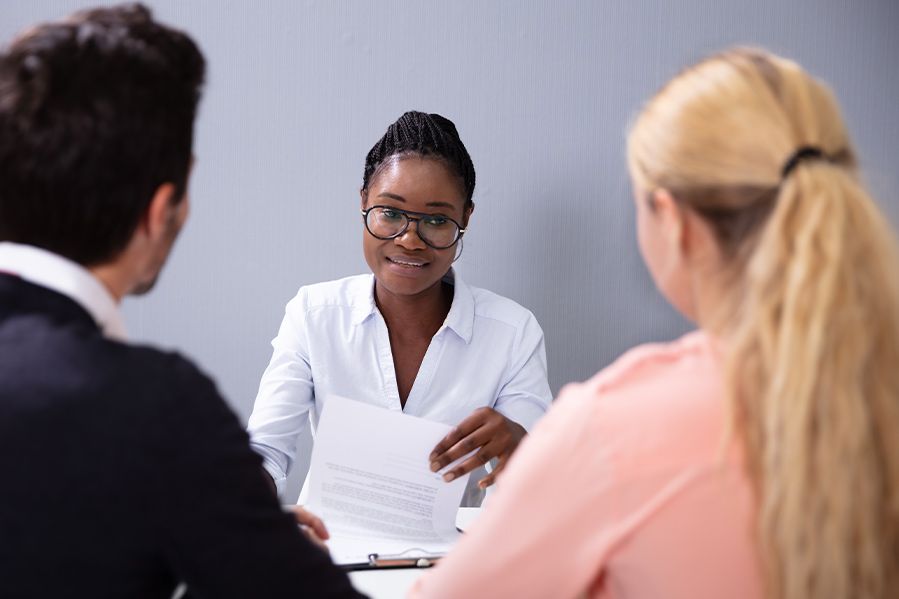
x=475, y=441
x=491, y=476
x=485, y=430
x=444, y=453
x=483, y=455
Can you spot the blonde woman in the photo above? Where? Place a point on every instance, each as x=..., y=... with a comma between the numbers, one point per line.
x=759, y=456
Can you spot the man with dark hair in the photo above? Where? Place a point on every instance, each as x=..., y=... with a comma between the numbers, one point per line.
x=123, y=472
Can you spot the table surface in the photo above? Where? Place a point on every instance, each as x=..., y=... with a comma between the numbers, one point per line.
x=394, y=584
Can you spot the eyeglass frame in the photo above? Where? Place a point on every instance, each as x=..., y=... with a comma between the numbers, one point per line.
x=412, y=217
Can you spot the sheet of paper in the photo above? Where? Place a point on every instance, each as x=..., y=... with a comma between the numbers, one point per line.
x=371, y=483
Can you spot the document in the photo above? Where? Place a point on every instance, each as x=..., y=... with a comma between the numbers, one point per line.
x=371, y=483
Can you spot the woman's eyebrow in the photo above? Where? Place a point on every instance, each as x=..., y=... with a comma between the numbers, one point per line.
x=392, y=196
x=441, y=205
x=399, y=198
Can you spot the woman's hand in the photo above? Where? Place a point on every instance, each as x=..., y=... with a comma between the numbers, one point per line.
x=485, y=430
x=312, y=526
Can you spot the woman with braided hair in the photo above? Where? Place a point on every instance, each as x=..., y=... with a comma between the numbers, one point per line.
x=412, y=335
x=759, y=456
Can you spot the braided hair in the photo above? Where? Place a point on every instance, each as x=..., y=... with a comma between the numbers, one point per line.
x=426, y=135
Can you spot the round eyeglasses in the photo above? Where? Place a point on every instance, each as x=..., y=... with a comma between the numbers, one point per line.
x=438, y=231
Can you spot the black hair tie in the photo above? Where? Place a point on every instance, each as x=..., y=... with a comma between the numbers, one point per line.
x=803, y=153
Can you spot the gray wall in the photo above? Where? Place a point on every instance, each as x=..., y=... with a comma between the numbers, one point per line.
x=541, y=92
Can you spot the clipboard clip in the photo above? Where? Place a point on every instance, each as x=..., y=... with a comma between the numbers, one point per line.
x=401, y=560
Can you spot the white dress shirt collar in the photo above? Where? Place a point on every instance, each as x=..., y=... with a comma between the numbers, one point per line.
x=69, y=278
x=460, y=318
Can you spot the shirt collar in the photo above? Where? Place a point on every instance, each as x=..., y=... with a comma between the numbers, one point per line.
x=460, y=318
x=69, y=278
x=363, y=300
x=461, y=315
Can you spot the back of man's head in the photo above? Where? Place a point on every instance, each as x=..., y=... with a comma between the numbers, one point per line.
x=96, y=112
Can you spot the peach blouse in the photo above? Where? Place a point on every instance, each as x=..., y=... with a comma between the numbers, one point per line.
x=625, y=489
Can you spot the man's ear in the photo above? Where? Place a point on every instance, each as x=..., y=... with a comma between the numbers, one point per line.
x=160, y=211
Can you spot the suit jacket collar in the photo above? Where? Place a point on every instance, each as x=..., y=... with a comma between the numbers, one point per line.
x=57, y=273
x=19, y=297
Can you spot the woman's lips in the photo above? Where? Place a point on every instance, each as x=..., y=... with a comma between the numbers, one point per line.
x=404, y=262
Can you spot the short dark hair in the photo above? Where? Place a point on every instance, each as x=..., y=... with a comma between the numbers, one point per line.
x=422, y=134
x=96, y=112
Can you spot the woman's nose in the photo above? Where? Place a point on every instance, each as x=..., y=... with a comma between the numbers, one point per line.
x=410, y=239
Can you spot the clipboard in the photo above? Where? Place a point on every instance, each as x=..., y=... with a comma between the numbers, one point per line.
x=411, y=558
x=396, y=560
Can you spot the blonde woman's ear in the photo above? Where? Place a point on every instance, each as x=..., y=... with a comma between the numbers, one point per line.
x=671, y=219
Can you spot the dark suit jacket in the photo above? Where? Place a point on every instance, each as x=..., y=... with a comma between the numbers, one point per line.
x=122, y=472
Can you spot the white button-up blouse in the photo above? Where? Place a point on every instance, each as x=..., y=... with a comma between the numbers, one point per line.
x=333, y=340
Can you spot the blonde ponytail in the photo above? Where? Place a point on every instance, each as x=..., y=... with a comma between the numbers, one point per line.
x=813, y=368
x=812, y=325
